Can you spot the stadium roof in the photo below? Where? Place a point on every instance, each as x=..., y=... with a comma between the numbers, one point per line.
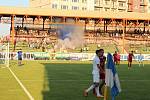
x=20, y=11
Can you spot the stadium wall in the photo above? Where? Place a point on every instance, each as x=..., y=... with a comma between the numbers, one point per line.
x=64, y=56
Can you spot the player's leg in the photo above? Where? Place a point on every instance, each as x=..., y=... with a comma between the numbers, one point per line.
x=142, y=63
x=139, y=63
x=128, y=64
x=21, y=61
x=90, y=88
x=94, y=91
x=101, y=86
x=119, y=62
x=18, y=61
x=95, y=80
x=97, y=90
x=115, y=62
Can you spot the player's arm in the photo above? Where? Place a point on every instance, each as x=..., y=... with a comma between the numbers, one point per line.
x=98, y=63
x=133, y=56
x=101, y=70
x=104, y=63
x=104, y=59
x=128, y=57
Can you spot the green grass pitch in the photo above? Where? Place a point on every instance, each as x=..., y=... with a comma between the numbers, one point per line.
x=66, y=80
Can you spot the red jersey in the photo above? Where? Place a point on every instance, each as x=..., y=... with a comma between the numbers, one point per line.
x=115, y=57
x=130, y=56
x=118, y=57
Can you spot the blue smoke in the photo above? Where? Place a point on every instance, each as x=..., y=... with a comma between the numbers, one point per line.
x=66, y=31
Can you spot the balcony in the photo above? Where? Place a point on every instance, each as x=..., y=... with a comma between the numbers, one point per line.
x=122, y=7
x=98, y=5
x=113, y=6
x=143, y=4
x=129, y=10
x=143, y=11
x=107, y=6
x=122, y=0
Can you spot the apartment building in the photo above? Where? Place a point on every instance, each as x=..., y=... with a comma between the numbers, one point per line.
x=111, y=5
x=64, y=4
x=142, y=6
x=148, y=6
x=138, y=6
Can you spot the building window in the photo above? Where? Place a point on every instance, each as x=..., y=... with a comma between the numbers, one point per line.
x=84, y=1
x=98, y=2
x=84, y=8
x=142, y=9
x=107, y=2
x=97, y=9
x=114, y=4
x=120, y=4
x=75, y=0
x=142, y=1
x=64, y=7
x=75, y=8
x=122, y=10
x=54, y=6
x=114, y=10
x=107, y=9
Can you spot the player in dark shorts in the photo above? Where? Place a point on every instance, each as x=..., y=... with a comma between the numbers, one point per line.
x=130, y=57
x=19, y=57
x=102, y=71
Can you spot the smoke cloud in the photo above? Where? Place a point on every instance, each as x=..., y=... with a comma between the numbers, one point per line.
x=70, y=37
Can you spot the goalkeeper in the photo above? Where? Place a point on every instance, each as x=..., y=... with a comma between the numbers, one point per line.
x=19, y=53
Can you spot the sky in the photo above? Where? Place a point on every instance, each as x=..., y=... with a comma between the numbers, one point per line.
x=19, y=3
x=4, y=28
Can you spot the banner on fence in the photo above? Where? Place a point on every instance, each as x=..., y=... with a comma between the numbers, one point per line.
x=65, y=56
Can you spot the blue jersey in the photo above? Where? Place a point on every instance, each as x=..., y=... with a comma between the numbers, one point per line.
x=19, y=54
x=140, y=57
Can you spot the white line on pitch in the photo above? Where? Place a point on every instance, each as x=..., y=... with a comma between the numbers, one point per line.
x=80, y=80
x=23, y=87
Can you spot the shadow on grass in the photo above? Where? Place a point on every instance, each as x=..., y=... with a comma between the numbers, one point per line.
x=66, y=81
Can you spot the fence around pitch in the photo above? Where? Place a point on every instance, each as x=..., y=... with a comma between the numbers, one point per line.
x=63, y=56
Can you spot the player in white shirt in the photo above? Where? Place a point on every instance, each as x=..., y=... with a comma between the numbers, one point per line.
x=96, y=76
x=140, y=59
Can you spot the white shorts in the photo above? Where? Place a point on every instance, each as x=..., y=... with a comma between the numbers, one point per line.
x=96, y=78
x=140, y=60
